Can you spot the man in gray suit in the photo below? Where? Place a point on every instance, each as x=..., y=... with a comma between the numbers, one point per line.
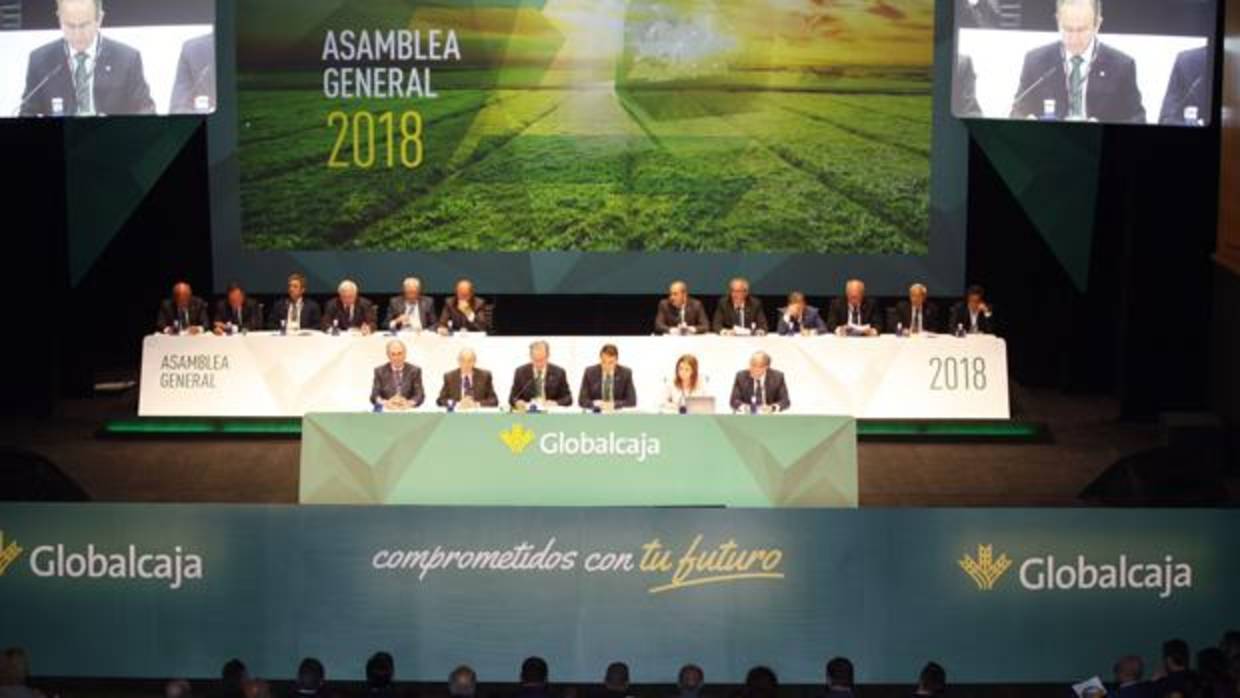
x=468, y=386
x=411, y=310
x=194, y=89
x=397, y=384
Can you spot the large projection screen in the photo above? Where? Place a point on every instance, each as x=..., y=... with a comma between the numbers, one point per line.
x=588, y=146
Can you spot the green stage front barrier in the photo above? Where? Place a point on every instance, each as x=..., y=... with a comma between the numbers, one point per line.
x=579, y=460
x=997, y=596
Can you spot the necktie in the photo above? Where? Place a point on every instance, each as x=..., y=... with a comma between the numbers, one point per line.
x=757, y=388
x=350, y=309
x=609, y=387
x=682, y=315
x=81, y=84
x=740, y=316
x=294, y=312
x=853, y=316
x=916, y=321
x=184, y=317
x=396, y=378
x=240, y=318
x=1076, y=89
x=540, y=385
x=467, y=386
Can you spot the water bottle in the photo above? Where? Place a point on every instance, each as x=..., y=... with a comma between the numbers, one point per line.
x=176, y=325
x=900, y=329
x=1048, y=110
x=1191, y=115
x=449, y=326
x=377, y=407
x=230, y=329
x=335, y=328
x=451, y=405
x=753, y=403
x=959, y=329
x=283, y=328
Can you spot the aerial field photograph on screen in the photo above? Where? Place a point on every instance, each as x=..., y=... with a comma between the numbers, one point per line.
x=586, y=125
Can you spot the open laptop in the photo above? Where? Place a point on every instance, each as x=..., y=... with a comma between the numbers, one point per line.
x=700, y=404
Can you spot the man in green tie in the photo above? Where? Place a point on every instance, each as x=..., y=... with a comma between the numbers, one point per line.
x=607, y=386
x=1078, y=77
x=539, y=383
x=85, y=73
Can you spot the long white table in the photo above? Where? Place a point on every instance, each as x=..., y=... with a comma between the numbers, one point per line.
x=265, y=374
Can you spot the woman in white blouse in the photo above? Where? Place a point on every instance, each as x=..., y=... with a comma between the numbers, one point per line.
x=686, y=384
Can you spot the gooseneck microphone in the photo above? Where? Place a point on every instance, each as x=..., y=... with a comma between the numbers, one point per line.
x=51, y=74
x=1020, y=97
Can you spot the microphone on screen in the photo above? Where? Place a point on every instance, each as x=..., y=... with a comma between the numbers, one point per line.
x=1025, y=92
x=51, y=74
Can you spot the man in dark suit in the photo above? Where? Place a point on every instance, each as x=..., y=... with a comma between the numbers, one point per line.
x=467, y=386
x=799, y=317
x=534, y=678
x=349, y=311
x=540, y=381
x=236, y=311
x=680, y=313
x=1189, y=89
x=932, y=681
x=184, y=312
x=839, y=677
x=194, y=89
x=964, y=90
x=915, y=315
x=607, y=384
x=760, y=386
x=738, y=312
x=397, y=384
x=84, y=73
x=465, y=311
x=411, y=310
x=854, y=313
x=1177, y=677
x=973, y=315
x=1128, y=679
x=296, y=311
x=1087, y=79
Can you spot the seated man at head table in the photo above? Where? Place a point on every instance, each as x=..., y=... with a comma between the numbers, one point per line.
x=237, y=312
x=539, y=383
x=916, y=315
x=184, y=312
x=854, y=314
x=1079, y=78
x=84, y=73
x=410, y=310
x=738, y=312
x=607, y=385
x=685, y=384
x=464, y=311
x=1190, y=89
x=295, y=311
x=467, y=386
x=799, y=317
x=349, y=311
x=397, y=384
x=973, y=315
x=760, y=388
x=680, y=313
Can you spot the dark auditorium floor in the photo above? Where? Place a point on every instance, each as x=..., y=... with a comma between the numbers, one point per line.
x=1086, y=438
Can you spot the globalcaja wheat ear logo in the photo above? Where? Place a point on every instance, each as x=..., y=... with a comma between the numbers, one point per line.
x=517, y=438
x=986, y=569
x=8, y=553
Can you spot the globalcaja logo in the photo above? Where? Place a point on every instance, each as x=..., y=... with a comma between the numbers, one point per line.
x=986, y=569
x=640, y=447
x=1079, y=573
x=517, y=438
x=8, y=553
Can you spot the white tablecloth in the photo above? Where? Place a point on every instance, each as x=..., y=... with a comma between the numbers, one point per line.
x=264, y=374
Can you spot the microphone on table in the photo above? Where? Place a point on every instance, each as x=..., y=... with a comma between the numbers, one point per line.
x=1033, y=86
x=59, y=67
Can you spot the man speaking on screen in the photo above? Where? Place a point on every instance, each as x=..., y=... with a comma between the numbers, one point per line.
x=1079, y=78
x=85, y=73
